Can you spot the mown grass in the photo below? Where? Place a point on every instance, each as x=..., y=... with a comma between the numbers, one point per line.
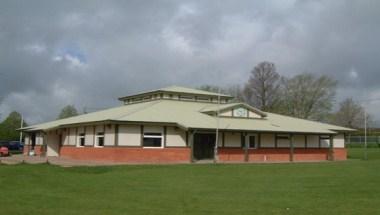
x=350, y=187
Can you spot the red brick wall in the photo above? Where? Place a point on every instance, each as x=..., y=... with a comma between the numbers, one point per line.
x=260, y=155
x=128, y=154
x=231, y=154
x=38, y=150
x=340, y=154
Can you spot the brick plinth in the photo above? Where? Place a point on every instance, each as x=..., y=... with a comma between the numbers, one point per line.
x=128, y=154
x=279, y=155
x=38, y=150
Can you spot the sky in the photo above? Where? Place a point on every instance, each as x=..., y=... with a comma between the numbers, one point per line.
x=89, y=53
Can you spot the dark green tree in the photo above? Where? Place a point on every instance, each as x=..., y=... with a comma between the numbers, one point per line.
x=68, y=111
x=8, y=127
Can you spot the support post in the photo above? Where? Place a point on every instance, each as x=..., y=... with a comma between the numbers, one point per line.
x=191, y=143
x=331, y=148
x=291, y=157
x=246, y=157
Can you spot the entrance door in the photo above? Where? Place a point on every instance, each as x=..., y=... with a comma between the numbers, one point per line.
x=204, y=146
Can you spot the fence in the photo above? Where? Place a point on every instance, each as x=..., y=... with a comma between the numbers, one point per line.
x=358, y=141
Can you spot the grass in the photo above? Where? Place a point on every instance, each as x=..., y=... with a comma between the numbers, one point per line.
x=350, y=187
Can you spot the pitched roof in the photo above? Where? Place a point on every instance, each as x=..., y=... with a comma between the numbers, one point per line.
x=213, y=108
x=178, y=89
x=189, y=115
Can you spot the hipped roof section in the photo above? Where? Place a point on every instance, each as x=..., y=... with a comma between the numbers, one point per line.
x=177, y=90
x=190, y=115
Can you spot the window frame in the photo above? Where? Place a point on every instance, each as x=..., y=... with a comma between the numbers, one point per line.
x=97, y=136
x=249, y=141
x=155, y=136
x=80, y=137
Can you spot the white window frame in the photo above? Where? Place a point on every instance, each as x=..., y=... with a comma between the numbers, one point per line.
x=153, y=136
x=80, y=136
x=248, y=139
x=97, y=136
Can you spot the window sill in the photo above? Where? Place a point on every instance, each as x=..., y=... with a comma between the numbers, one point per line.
x=152, y=147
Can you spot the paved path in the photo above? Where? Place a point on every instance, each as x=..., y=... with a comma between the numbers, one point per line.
x=60, y=161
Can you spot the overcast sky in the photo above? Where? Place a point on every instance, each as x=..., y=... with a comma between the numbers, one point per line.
x=88, y=53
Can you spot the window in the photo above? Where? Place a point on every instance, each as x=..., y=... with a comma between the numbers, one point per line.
x=152, y=140
x=100, y=139
x=252, y=141
x=81, y=139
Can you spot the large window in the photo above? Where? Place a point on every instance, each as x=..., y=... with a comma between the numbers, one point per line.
x=152, y=140
x=81, y=139
x=100, y=139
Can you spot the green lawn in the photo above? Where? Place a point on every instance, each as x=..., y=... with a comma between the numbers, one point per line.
x=350, y=187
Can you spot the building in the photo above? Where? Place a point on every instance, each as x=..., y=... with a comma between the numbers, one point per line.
x=178, y=125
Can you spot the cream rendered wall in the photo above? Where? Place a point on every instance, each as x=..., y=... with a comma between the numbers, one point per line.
x=283, y=143
x=109, y=135
x=267, y=140
x=175, y=137
x=339, y=141
x=99, y=128
x=226, y=113
x=52, y=140
x=89, y=136
x=129, y=135
x=27, y=139
x=39, y=138
x=299, y=141
x=232, y=139
x=72, y=136
x=312, y=141
x=253, y=115
x=154, y=129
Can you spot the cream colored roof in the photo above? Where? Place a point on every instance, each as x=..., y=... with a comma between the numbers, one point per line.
x=189, y=115
x=222, y=107
x=180, y=90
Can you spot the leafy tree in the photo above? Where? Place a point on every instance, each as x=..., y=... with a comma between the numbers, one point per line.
x=307, y=96
x=68, y=111
x=262, y=88
x=9, y=125
x=350, y=114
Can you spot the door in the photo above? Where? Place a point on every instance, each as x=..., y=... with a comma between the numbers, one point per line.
x=252, y=143
x=204, y=146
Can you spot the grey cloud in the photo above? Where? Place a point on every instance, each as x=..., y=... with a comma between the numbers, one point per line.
x=132, y=45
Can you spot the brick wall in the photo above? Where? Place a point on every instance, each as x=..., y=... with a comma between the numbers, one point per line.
x=38, y=150
x=273, y=155
x=128, y=154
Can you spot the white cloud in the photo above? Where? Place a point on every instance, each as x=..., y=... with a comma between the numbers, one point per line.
x=71, y=61
x=353, y=74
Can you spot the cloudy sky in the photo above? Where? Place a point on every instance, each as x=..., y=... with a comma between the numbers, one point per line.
x=88, y=53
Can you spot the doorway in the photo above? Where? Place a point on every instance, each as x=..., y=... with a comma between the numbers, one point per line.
x=204, y=146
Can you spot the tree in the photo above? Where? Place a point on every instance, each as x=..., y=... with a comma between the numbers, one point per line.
x=262, y=88
x=307, y=96
x=350, y=114
x=68, y=111
x=8, y=127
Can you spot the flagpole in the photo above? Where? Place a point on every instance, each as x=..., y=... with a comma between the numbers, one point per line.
x=365, y=133
x=22, y=123
x=217, y=129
